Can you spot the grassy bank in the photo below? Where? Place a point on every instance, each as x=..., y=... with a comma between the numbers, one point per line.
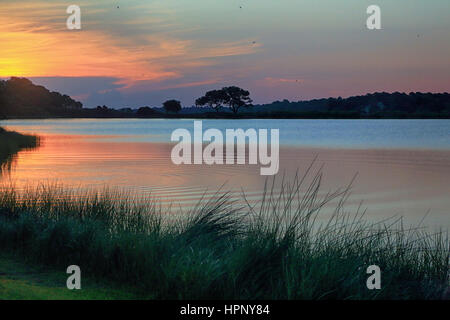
x=277, y=249
x=22, y=281
x=13, y=142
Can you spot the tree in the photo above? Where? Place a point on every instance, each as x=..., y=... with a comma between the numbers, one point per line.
x=213, y=99
x=145, y=112
x=172, y=106
x=236, y=98
x=102, y=108
x=20, y=97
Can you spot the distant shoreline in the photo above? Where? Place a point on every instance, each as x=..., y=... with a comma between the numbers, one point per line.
x=244, y=117
x=21, y=99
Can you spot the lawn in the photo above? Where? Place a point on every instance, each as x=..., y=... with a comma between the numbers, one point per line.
x=21, y=281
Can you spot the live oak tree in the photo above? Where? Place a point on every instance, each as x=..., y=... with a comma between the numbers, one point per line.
x=213, y=99
x=237, y=98
x=233, y=97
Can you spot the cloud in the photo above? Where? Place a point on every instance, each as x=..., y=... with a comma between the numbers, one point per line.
x=284, y=80
x=147, y=51
x=189, y=84
x=122, y=44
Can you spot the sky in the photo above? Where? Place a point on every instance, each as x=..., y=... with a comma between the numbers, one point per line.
x=137, y=53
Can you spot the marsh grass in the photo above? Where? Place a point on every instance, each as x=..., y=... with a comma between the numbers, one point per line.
x=11, y=143
x=278, y=248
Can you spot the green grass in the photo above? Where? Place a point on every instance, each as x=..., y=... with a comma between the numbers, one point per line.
x=11, y=143
x=276, y=249
x=25, y=282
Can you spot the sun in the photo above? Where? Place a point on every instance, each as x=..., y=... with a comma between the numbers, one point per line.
x=11, y=67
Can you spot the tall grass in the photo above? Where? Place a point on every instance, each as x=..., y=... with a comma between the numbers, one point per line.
x=11, y=143
x=276, y=249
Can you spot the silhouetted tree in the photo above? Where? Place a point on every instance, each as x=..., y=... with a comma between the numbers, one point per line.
x=102, y=108
x=236, y=98
x=20, y=97
x=172, y=106
x=145, y=112
x=213, y=99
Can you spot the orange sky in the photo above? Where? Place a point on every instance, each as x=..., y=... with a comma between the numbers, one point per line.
x=35, y=43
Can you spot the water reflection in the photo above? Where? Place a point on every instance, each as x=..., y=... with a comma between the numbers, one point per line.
x=11, y=143
x=391, y=181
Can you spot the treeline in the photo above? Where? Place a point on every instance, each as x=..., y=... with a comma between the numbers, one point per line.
x=374, y=105
x=20, y=98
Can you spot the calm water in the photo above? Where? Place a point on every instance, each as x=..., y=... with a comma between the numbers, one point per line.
x=403, y=166
x=421, y=134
